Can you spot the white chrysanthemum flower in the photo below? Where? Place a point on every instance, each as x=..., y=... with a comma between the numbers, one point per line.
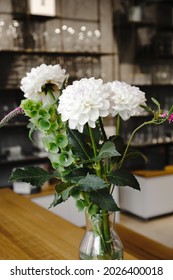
x=125, y=99
x=35, y=82
x=83, y=102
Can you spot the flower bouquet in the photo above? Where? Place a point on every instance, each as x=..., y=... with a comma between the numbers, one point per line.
x=87, y=163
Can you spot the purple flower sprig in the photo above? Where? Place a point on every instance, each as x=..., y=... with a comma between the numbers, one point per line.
x=12, y=114
x=167, y=116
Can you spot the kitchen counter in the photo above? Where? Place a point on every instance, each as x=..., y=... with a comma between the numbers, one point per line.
x=28, y=231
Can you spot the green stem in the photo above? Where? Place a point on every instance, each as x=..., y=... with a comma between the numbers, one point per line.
x=50, y=91
x=131, y=137
x=98, y=166
x=106, y=231
x=118, y=125
x=101, y=227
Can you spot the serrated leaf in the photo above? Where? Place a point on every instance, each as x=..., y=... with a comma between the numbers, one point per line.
x=107, y=150
x=36, y=176
x=61, y=187
x=104, y=200
x=118, y=143
x=78, y=145
x=92, y=183
x=64, y=189
x=57, y=200
x=76, y=175
x=66, y=193
x=122, y=177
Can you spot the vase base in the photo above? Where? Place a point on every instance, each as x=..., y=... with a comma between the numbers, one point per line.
x=117, y=256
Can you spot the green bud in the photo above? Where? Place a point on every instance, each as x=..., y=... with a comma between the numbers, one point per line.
x=61, y=140
x=51, y=111
x=44, y=114
x=44, y=124
x=54, y=126
x=52, y=147
x=65, y=159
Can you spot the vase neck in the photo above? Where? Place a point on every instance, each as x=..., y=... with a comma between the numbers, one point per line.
x=94, y=220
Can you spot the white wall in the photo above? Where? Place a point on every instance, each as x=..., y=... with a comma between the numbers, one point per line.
x=68, y=209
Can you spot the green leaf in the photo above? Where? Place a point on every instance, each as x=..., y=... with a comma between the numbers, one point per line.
x=156, y=102
x=148, y=109
x=122, y=177
x=104, y=200
x=92, y=183
x=136, y=153
x=78, y=144
x=61, y=187
x=75, y=193
x=76, y=175
x=64, y=189
x=66, y=193
x=57, y=200
x=80, y=204
x=36, y=176
x=107, y=150
x=118, y=143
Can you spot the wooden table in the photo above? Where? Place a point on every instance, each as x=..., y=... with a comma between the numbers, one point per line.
x=147, y=239
x=28, y=231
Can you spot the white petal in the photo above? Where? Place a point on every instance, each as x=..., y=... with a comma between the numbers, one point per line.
x=94, y=114
x=72, y=123
x=83, y=119
x=92, y=124
x=80, y=128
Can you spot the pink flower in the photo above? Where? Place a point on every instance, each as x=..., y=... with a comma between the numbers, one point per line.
x=163, y=115
x=170, y=119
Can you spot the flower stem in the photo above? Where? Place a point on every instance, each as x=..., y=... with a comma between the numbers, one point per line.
x=98, y=169
x=118, y=125
x=106, y=231
x=131, y=137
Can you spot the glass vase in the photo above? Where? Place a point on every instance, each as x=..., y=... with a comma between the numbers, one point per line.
x=100, y=241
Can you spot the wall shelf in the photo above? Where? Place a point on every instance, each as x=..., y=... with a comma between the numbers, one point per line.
x=146, y=61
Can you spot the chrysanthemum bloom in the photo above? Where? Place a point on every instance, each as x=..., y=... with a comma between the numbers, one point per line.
x=43, y=83
x=125, y=99
x=83, y=102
